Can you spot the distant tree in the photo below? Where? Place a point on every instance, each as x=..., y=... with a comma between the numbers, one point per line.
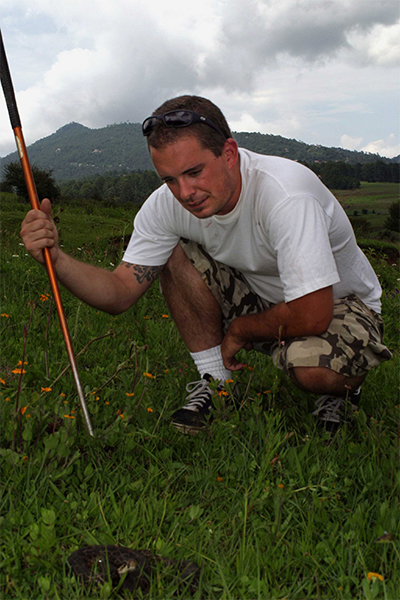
x=393, y=220
x=13, y=181
x=338, y=176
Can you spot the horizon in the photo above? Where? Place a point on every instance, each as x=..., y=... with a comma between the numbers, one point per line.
x=233, y=131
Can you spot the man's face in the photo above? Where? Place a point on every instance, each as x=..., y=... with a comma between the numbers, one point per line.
x=204, y=184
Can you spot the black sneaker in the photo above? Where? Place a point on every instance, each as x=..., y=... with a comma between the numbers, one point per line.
x=193, y=417
x=332, y=411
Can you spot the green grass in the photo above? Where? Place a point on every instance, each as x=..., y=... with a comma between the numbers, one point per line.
x=370, y=203
x=262, y=501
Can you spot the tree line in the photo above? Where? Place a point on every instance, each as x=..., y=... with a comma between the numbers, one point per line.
x=135, y=187
x=338, y=175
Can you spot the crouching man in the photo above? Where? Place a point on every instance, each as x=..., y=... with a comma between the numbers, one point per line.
x=253, y=252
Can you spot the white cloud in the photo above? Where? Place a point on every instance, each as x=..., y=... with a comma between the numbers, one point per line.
x=383, y=147
x=298, y=68
x=350, y=143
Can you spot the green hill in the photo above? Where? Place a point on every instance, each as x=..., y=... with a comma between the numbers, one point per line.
x=75, y=151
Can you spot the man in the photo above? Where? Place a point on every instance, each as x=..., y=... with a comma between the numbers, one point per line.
x=252, y=251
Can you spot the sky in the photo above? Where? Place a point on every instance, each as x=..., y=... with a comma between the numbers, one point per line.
x=320, y=71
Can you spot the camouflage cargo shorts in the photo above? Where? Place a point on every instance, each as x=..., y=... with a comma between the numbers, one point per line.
x=352, y=345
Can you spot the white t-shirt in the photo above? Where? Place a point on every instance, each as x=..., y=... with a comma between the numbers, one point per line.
x=287, y=234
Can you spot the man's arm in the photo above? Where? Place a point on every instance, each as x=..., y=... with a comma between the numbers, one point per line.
x=305, y=316
x=110, y=291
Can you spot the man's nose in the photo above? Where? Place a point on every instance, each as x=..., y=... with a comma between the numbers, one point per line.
x=186, y=190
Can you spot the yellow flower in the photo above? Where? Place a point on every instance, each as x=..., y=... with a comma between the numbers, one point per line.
x=374, y=576
x=149, y=375
x=223, y=393
x=2, y=381
x=19, y=371
x=149, y=409
x=45, y=389
x=129, y=394
x=20, y=363
x=25, y=458
x=69, y=416
x=229, y=381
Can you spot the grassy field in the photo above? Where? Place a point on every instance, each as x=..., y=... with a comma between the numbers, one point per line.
x=264, y=503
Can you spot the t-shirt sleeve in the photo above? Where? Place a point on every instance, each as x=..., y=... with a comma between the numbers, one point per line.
x=298, y=229
x=152, y=240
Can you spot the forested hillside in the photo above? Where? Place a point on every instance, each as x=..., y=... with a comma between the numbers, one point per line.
x=77, y=152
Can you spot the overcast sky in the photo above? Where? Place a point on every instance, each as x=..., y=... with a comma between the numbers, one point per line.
x=321, y=71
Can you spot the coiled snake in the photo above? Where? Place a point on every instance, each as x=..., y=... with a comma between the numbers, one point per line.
x=129, y=569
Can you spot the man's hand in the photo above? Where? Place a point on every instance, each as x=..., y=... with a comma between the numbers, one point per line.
x=38, y=231
x=303, y=317
x=230, y=346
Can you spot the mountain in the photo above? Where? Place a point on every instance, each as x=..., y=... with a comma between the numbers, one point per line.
x=75, y=151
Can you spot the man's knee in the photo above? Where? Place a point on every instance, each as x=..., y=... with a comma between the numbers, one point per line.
x=322, y=380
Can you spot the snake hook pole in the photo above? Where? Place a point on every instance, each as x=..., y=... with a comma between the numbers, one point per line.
x=9, y=95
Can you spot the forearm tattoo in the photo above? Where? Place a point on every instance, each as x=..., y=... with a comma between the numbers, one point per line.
x=144, y=273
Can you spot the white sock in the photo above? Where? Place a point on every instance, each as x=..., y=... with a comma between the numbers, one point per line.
x=210, y=361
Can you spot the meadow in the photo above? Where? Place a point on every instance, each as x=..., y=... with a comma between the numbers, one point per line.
x=265, y=503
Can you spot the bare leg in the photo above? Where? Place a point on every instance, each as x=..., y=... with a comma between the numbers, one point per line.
x=320, y=380
x=193, y=307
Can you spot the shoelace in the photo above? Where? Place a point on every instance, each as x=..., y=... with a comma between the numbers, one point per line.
x=330, y=406
x=199, y=395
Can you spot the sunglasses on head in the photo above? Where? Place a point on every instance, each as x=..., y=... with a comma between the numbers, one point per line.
x=176, y=119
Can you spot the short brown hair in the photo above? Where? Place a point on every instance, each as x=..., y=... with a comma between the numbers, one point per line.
x=207, y=136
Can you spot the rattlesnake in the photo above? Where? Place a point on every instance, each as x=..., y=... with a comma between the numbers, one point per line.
x=98, y=564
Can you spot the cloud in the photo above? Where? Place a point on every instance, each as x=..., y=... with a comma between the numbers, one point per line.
x=293, y=67
x=350, y=143
x=383, y=147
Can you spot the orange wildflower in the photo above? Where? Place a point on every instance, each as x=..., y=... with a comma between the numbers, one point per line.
x=5, y=315
x=149, y=375
x=165, y=316
x=280, y=486
x=129, y=394
x=150, y=410
x=23, y=409
x=45, y=389
x=219, y=479
x=374, y=576
x=2, y=381
x=19, y=370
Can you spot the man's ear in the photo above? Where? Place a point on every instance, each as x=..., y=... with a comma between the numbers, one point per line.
x=230, y=152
